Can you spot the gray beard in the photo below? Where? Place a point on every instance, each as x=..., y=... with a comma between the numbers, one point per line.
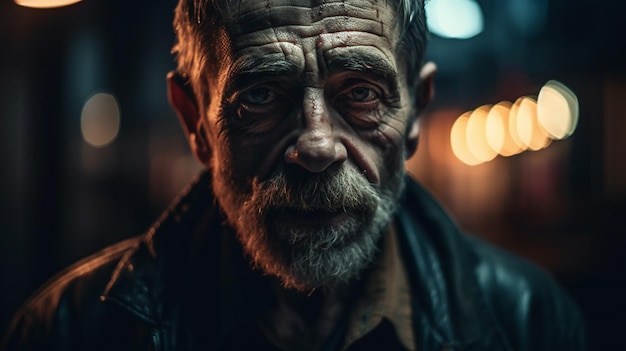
x=311, y=256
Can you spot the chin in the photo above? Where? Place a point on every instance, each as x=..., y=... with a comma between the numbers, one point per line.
x=310, y=232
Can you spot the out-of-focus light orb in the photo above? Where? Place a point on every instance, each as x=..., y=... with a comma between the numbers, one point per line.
x=528, y=129
x=498, y=134
x=526, y=111
x=458, y=141
x=44, y=4
x=456, y=19
x=495, y=127
x=476, y=134
x=557, y=110
x=100, y=120
x=513, y=125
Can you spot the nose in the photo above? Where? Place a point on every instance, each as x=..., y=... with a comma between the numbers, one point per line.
x=317, y=146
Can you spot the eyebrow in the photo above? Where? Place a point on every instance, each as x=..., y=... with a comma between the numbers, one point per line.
x=248, y=69
x=364, y=62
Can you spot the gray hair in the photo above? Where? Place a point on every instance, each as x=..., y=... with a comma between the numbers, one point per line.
x=197, y=24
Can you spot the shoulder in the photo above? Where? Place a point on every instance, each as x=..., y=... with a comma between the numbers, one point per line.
x=86, y=278
x=528, y=304
x=62, y=305
x=525, y=305
x=116, y=298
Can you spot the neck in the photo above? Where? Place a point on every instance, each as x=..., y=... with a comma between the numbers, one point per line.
x=305, y=320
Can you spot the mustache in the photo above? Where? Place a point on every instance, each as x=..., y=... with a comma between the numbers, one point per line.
x=337, y=190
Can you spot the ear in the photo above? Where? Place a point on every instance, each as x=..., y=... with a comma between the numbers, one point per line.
x=425, y=94
x=182, y=100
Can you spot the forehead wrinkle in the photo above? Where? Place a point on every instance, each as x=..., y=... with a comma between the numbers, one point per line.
x=292, y=33
x=351, y=39
x=333, y=17
x=307, y=11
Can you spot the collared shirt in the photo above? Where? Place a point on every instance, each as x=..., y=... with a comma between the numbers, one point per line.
x=379, y=317
x=386, y=297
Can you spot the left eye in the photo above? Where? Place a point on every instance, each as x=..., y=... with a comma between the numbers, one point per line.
x=259, y=96
x=363, y=94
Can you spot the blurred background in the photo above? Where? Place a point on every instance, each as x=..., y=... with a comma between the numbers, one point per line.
x=91, y=152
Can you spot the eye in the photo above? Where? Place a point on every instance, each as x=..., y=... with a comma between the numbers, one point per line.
x=361, y=103
x=258, y=96
x=363, y=94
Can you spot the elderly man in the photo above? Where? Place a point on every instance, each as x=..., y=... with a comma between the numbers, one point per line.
x=304, y=233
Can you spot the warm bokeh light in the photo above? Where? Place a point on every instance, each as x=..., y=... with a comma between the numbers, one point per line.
x=498, y=134
x=495, y=131
x=508, y=129
x=529, y=131
x=458, y=141
x=557, y=110
x=476, y=134
x=44, y=4
x=458, y=19
x=100, y=120
x=526, y=114
x=513, y=125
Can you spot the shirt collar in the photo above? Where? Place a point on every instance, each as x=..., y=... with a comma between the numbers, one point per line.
x=386, y=296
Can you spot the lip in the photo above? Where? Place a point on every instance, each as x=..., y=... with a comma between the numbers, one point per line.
x=312, y=218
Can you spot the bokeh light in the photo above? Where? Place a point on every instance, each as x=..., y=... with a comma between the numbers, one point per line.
x=42, y=4
x=495, y=131
x=498, y=132
x=476, y=135
x=458, y=141
x=513, y=125
x=530, y=133
x=457, y=19
x=508, y=129
x=557, y=110
x=100, y=120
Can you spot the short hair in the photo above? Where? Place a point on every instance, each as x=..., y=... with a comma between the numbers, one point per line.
x=197, y=24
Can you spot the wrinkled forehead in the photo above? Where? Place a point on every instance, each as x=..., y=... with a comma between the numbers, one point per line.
x=310, y=17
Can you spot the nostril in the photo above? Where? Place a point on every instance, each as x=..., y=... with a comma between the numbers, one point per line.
x=291, y=154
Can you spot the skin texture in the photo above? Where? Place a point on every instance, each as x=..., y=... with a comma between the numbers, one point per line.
x=306, y=125
x=315, y=91
x=312, y=97
x=314, y=121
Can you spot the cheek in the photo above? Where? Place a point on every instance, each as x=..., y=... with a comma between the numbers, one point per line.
x=389, y=134
x=246, y=155
x=385, y=144
x=256, y=154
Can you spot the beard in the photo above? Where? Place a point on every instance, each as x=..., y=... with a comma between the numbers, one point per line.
x=311, y=230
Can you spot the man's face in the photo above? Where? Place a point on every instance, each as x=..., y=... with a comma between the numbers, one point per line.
x=307, y=125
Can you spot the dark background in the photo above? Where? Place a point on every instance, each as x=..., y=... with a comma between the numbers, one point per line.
x=561, y=207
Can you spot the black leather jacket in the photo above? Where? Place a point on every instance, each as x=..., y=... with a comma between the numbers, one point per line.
x=154, y=292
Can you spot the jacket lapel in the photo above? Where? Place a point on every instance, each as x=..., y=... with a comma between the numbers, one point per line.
x=449, y=309
x=147, y=278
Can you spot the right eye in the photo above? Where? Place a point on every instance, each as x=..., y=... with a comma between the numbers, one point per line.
x=260, y=108
x=258, y=96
